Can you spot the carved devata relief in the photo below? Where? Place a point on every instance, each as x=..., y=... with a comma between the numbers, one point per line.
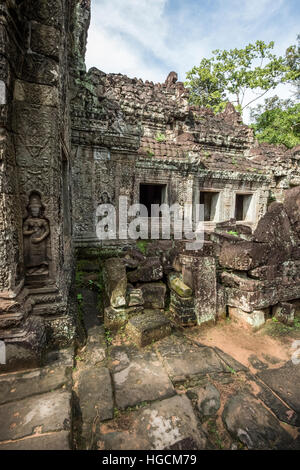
x=36, y=230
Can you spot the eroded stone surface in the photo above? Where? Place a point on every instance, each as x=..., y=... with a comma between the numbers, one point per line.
x=95, y=401
x=141, y=380
x=251, y=423
x=47, y=412
x=54, y=441
x=148, y=270
x=115, y=281
x=208, y=399
x=184, y=360
x=19, y=386
x=154, y=294
x=160, y=426
x=285, y=382
x=149, y=326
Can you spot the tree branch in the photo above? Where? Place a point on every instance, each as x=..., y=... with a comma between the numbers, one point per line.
x=254, y=99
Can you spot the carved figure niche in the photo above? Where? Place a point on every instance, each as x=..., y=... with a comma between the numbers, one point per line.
x=36, y=230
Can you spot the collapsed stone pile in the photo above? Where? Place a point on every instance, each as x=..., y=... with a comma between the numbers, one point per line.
x=140, y=287
x=262, y=273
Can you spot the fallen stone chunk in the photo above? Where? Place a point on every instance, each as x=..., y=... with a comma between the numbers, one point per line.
x=149, y=270
x=291, y=205
x=266, y=272
x=161, y=426
x=178, y=286
x=249, y=421
x=115, y=318
x=254, y=319
x=154, y=294
x=142, y=380
x=208, y=399
x=135, y=297
x=284, y=312
x=147, y=327
x=183, y=308
x=47, y=412
x=115, y=281
x=95, y=401
x=243, y=256
x=274, y=228
x=55, y=441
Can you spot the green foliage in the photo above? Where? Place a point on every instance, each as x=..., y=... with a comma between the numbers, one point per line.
x=292, y=55
x=228, y=75
x=149, y=153
x=78, y=278
x=231, y=370
x=232, y=232
x=160, y=137
x=277, y=122
x=142, y=245
x=108, y=336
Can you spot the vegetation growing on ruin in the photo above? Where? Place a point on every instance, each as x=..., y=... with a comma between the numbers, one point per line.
x=277, y=122
x=229, y=76
x=142, y=245
x=160, y=137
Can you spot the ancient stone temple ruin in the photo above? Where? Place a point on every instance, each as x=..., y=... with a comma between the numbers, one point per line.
x=72, y=139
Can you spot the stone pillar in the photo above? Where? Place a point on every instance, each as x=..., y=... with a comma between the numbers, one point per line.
x=199, y=273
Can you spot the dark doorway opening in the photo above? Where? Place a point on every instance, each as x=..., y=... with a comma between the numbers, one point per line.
x=210, y=200
x=242, y=206
x=152, y=194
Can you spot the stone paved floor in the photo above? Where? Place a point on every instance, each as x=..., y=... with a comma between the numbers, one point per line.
x=173, y=394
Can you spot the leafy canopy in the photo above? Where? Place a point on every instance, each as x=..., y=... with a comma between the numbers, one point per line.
x=228, y=75
x=293, y=60
x=277, y=122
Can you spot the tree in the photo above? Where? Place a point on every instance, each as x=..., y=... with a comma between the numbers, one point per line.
x=228, y=75
x=292, y=56
x=277, y=122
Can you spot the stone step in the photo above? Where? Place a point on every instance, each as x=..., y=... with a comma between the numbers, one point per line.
x=149, y=326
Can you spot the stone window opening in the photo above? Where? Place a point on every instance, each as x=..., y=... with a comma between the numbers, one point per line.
x=152, y=194
x=210, y=200
x=243, y=207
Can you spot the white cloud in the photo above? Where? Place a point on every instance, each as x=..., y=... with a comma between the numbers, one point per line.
x=149, y=38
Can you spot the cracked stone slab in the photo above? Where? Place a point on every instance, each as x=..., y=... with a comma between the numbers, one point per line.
x=230, y=361
x=141, y=380
x=279, y=408
x=254, y=425
x=164, y=424
x=184, y=360
x=42, y=413
x=54, y=441
x=18, y=386
x=95, y=398
x=94, y=351
x=285, y=382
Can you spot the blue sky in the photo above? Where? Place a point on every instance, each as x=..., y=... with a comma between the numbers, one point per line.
x=149, y=38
